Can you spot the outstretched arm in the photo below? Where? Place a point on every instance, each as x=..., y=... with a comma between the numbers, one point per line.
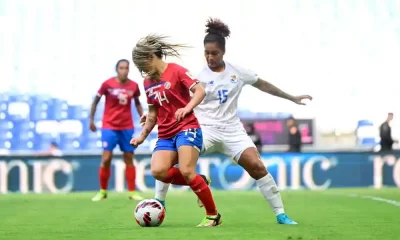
x=272, y=89
x=275, y=91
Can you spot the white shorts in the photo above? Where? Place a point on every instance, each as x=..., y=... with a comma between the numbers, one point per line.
x=229, y=140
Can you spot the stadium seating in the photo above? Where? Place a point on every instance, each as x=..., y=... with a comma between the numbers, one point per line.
x=33, y=122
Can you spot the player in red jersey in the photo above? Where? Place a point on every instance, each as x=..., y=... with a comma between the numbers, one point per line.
x=117, y=127
x=180, y=138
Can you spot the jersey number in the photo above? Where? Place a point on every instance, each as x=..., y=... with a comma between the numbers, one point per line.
x=222, y=95
x=160, y=96
x=123, y=99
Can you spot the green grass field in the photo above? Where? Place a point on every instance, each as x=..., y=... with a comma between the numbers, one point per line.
x=322, y=215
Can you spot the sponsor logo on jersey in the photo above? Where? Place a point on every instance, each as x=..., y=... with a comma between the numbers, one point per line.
x=234, y=79
x=152, y=90
x=167, y=85
x=114, y=91
x=119, y=91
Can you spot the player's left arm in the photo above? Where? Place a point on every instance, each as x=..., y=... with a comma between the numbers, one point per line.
x=192, y=84
x=269, y=88
x=198, y=95
x=251, y=78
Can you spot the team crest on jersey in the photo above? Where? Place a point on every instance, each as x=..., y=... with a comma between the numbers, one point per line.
x=190, y=75
x=234, y=78
x=210, y=83
x=167, y=85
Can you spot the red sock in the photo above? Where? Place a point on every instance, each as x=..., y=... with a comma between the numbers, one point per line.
x=175, y=177
x=130, y=174
x=203, y=192
x=104, y=175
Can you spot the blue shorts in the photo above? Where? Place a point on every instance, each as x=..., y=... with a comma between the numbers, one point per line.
x=191, y=137
x=110, y=138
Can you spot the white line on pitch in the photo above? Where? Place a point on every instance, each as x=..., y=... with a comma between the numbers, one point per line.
x=379, y=199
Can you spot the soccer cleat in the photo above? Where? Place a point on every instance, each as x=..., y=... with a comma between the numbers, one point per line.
x=100, y=196
x=208, y=181
x=284, y=219
x=211, y=221
x=135, y=196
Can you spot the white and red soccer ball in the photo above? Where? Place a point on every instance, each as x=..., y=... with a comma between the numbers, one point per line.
x=149, y=213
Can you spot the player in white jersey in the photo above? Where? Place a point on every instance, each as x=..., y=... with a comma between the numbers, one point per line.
x=222, y=129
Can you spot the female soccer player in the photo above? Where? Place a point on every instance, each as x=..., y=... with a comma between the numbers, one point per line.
x=167, y=88
x=217, y=114
x=117, y=127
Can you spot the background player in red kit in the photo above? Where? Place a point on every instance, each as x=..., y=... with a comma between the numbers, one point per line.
x=180, y=138
x=117, y=127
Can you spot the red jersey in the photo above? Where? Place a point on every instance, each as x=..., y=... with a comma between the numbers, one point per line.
x=168, y=95
x=117, y=111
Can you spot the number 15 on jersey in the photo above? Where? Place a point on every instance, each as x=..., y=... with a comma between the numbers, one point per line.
x=222, y=95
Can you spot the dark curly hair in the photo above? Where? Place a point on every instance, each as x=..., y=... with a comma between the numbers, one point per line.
x=217, y=31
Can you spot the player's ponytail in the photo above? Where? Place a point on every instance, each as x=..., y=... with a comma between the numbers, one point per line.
x=216, y=31
x=153, y=44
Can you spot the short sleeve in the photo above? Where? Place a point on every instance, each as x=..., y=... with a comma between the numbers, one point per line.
x=149, y=102
x=102, y=90
x=248, y=76
x=187, y=78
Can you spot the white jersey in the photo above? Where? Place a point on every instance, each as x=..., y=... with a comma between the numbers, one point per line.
x=223, y=89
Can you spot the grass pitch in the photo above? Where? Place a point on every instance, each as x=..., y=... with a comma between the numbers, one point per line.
x=331, y=214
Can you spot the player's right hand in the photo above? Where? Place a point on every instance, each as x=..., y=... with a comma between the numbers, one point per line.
x=93, y=126
x=137, y=141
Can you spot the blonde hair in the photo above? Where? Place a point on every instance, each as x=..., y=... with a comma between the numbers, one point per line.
x=153, y=44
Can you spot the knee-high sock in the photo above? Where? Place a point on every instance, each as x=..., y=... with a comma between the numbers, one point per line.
x=271, y=193
x=104, y=175
x=130, y=175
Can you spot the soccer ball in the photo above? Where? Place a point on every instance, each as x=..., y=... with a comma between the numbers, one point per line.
x=149, y=213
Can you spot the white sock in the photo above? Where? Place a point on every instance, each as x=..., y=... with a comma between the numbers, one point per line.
x=271, y=193
x=161, y=190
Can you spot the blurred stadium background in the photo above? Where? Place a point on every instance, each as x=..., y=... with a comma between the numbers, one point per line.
x=55, y=54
